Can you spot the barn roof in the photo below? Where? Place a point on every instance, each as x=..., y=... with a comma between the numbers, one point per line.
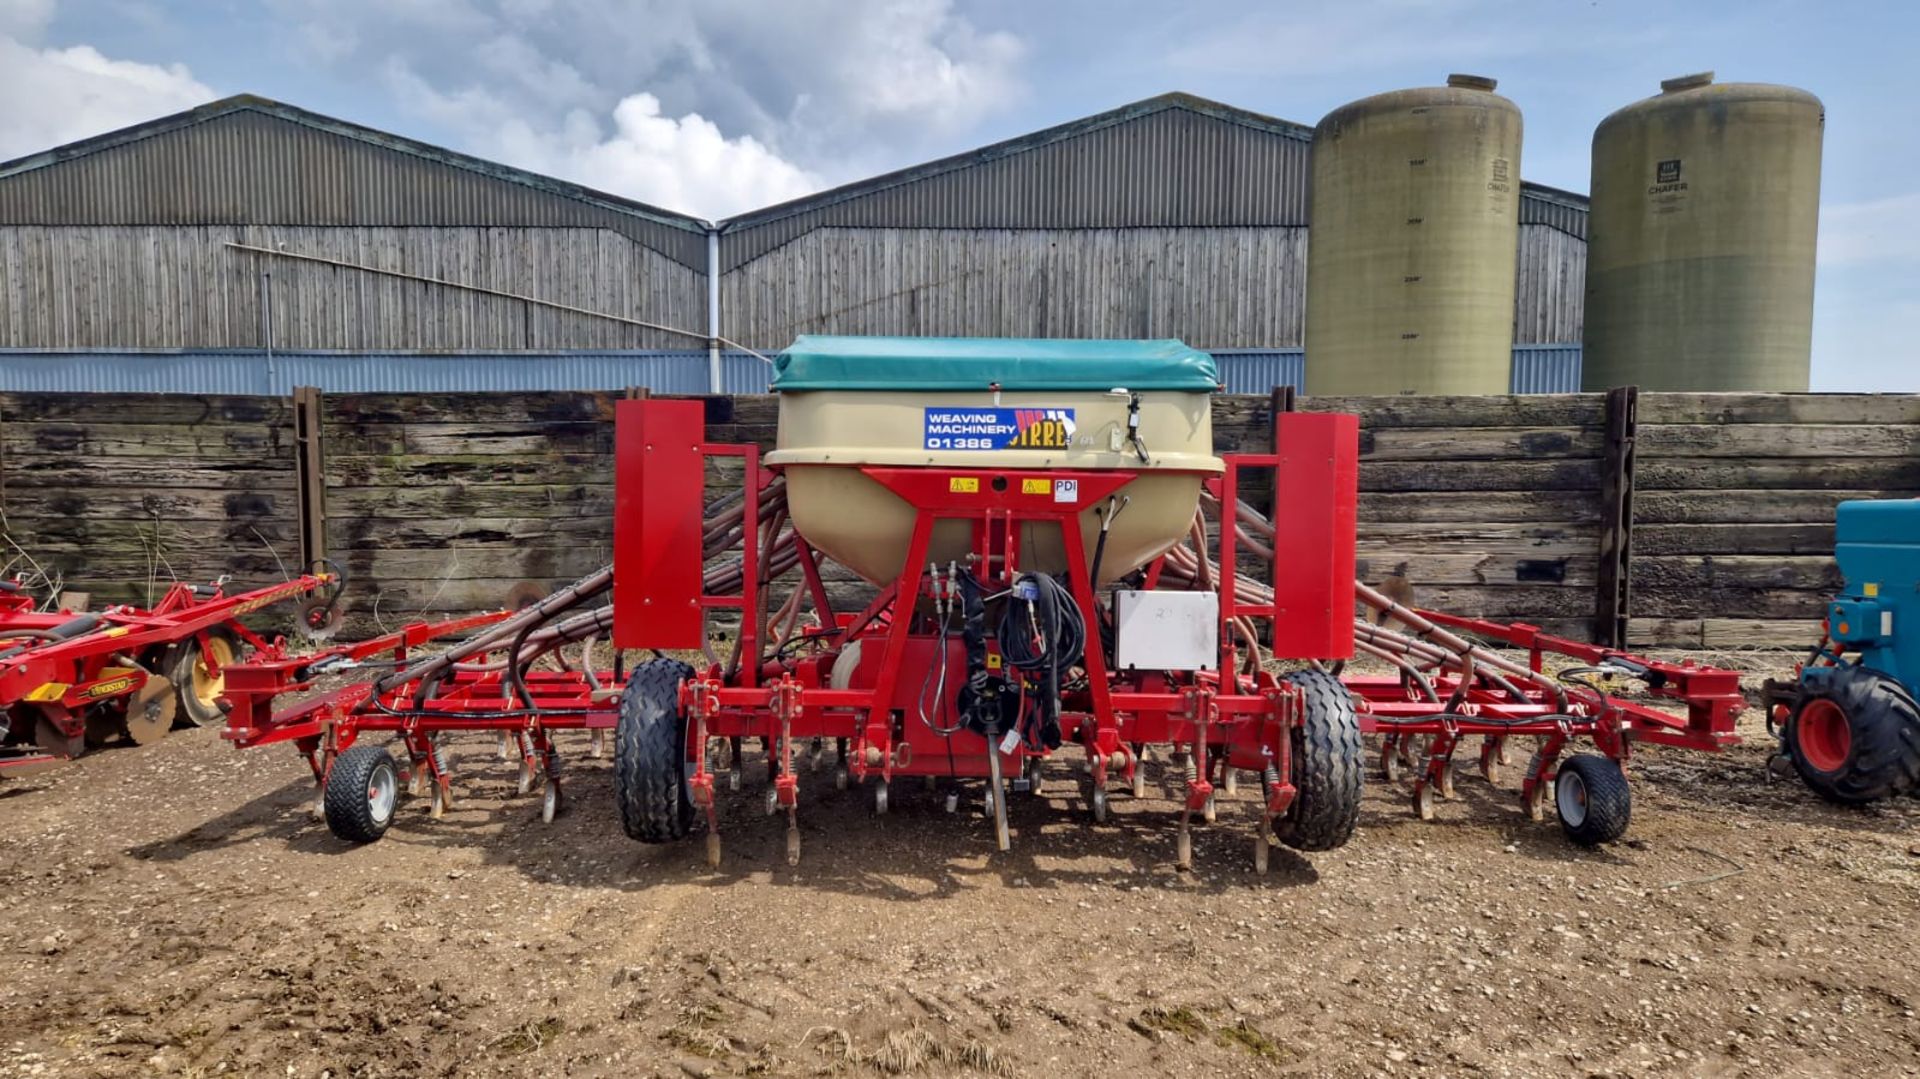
x=250, y=160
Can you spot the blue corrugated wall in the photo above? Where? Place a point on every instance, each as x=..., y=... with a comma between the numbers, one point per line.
x=1536, y=369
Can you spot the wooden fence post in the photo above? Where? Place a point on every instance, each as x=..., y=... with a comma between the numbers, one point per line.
x=1283, y=399
x=309, y=476
x=1614, y=600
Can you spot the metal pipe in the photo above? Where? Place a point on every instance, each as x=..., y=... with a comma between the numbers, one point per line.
x=523, y=298
x=713, y=311
x=266, y=322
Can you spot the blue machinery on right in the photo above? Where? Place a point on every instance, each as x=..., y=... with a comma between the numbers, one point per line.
x=1849, y=724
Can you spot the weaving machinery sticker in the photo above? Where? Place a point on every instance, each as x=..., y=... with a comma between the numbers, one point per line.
x=998, y=428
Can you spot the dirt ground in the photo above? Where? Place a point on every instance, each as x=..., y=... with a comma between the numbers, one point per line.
x=175, y=910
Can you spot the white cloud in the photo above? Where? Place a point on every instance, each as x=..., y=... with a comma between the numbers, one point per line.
x=24, y=18
x=1879, y=230
x=831, y=89
x=685, y=164
x=76, y=92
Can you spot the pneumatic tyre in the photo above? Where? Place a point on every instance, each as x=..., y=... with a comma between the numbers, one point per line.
x=1854, y=735
x=650, y=754
x=1591, y=796
x=1328, y=765
x=362, y=788
x=199, y=688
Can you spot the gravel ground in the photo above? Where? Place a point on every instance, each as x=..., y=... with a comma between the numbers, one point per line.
x=175, y=910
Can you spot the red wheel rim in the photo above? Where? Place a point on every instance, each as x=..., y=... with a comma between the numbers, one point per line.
x=1823, y=735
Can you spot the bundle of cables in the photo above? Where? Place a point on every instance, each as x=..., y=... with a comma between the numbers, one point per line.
x=1042, y=632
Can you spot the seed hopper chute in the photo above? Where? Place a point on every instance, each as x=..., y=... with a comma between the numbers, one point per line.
x=1036, y=529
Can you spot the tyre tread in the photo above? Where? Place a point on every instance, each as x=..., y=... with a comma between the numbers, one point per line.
x=1609, y=799
x=649, y=754
x=1884, y=720
x=1329, y=767
x=345, y=798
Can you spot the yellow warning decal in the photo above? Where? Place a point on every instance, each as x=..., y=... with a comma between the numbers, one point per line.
x=52, y=691
x=964, y=485
x=993, y=661
x=1036, y=487
x=1871, y=588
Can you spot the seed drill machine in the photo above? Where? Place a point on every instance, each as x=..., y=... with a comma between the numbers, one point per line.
x=1040, y=556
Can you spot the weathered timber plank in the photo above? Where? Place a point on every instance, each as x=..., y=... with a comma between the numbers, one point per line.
x=1704, y=572
x=249, y=444
x=407, y=470
x=372, y=439
x=1512, y=410
x=1567, y=475
x=1428, y=568
x=1733, y=634
x=1725, y=601
x=1479, y=443
x=115, y=479
x=1803, y=473
x=555, y=407
x=1489, y=507
x=172, y=503
x=1745, y=440
x=143, y=408
x=1475, y=536
x=1731, y=539
x=529, y=563
x=401, y=533
x=1730, y=408
x=468, y=500
x=1759, y=507
x=1529, y=602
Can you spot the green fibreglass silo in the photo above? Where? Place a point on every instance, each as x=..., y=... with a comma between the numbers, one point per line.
x=1700, y=261
x=1412, y=242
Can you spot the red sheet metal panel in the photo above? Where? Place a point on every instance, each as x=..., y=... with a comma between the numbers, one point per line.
x=658, y=483
x=1316, y=499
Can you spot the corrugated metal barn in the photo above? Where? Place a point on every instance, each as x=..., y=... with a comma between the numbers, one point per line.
x=1171, y=217
x=123, y=241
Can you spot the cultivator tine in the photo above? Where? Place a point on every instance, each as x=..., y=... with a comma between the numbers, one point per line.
x=597, y=743
x=786, y=708
x=529, y=763
x=1493, y=754
x=1199, y=792
x=1262, y=846
x=997, y=794
x=551, y=801
x=1537, y=789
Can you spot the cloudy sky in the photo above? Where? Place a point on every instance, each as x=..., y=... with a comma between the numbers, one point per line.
x=712, y=107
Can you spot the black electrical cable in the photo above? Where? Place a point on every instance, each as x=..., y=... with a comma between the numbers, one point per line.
x=1042, y=631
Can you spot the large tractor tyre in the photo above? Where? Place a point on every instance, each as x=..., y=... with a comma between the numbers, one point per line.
x=362, y=789
x=199, y=688
x=1854, y=736
x=1328, y=766
x=650, y=754
x=1591, y=796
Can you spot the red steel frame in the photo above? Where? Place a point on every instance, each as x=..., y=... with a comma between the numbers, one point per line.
x=60, y=679
x=1556, y=715
x=1239, y=721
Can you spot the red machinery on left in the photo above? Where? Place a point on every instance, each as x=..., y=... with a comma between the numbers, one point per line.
x=73, y=679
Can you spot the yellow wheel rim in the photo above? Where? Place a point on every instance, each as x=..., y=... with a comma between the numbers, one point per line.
x=208, y=686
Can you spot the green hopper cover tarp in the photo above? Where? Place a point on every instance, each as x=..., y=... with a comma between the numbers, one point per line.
x=909, y=364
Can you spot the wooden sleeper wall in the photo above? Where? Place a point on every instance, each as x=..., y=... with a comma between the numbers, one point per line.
x=442, y=503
